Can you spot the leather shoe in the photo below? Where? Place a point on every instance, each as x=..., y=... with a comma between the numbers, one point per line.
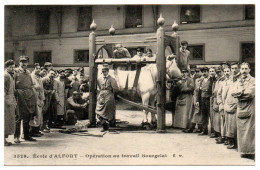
x=226, y=142
x=213, y=135
x=30, y=139
x=36, y=135
x=203, y=133
x=188, y=131
x=17, y=140
x=8, y=143
x=220, y=140
x=231, y=146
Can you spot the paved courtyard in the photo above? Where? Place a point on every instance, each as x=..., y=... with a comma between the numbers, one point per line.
x=130, y=146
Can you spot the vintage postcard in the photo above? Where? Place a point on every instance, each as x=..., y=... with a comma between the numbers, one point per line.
x=139, y=84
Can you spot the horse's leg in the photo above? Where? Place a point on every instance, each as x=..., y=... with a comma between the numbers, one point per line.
x=145, y=101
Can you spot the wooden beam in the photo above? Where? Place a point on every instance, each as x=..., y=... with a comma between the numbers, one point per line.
x=140, y=106
x=125, y=60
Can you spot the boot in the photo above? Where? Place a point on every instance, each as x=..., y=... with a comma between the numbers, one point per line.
x=105, y=127
x=220, y=140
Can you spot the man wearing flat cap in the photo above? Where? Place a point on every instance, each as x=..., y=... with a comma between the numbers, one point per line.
x=139, y=53
x=121, y=52
x=183, y=59
x=26, y=99
x=205, y=92
x=10, y=101
x=106, y=106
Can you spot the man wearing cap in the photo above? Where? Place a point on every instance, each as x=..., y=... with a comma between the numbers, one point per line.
x=26, y=99
x=244, y=91
x=106, y=107
x=121, y=52
x=195, y=111
x=9, y=101
x=51, y=99
x=139, y=53
x=76, y=108
x=184, y=102
x=48, y=65
x=204, y=94
x=183, y=59
x=37, y=122
x=230, y=107
x=59, y=87
x=215, y=106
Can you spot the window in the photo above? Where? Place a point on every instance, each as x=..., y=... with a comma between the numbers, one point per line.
x=43, y=22
x=133, y=16
x=248, y=55
x=250, y=12
x=196, y=52
x=190, y=14
x=42, y=57
x=9, y=55
x=81, y=56
x=85, y=18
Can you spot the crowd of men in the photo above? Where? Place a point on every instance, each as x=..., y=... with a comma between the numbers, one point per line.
x=42, y=98
x=222, y=98
x=219, y=100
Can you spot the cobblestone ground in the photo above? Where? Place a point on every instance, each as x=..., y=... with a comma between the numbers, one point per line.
x=130, y=146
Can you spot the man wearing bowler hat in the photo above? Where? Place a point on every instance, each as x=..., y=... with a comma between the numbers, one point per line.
x=26, y=99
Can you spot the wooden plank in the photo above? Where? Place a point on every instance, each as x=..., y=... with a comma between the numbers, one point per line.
x=125, y=60
x=147, y=108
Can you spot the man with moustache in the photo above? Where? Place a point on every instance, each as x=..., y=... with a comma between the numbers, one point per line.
x=37, y=122
x=9, y=101
x=26, y=99
x=221, y=100
x=230, y=108
x=244, y=91
x=59, y=87
x=51, y=97
x=183, y=59
x=195, y=112
x=215, y=107
x=204, y=94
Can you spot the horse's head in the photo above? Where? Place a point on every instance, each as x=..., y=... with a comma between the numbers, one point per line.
x=171, y=67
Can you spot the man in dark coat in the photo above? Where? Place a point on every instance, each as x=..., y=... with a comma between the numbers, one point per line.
x=10, y=101
x=26, y=99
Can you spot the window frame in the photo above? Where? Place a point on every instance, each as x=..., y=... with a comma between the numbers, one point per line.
x=74, y=56
x=78, y=14
x=38, y=22
x=245, y=14
x=241, y=47
x=125, y=7
x=47, y=51
x=203, y=52
x=180, y=10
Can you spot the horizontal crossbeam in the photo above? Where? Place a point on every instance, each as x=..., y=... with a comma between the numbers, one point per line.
x=125, y=60
x=140, y=106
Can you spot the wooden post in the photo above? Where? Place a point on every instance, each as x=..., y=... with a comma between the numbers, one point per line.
x=161, y=84
x=92, y=75
x=175, y=28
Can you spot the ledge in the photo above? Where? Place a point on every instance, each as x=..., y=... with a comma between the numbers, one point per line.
x=182, y=27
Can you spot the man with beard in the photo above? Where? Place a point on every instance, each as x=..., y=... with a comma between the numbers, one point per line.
x=9, y=101
x=59, y=87
x=244, y=91
x=221, y=99
x=37, y=122
x=26, y=99
x=215, y=106
x=51, y=96
x=204, y=94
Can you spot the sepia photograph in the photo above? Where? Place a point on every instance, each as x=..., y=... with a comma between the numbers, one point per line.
x=129, y=84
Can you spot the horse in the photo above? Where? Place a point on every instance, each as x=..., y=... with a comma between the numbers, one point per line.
x=146, y=86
